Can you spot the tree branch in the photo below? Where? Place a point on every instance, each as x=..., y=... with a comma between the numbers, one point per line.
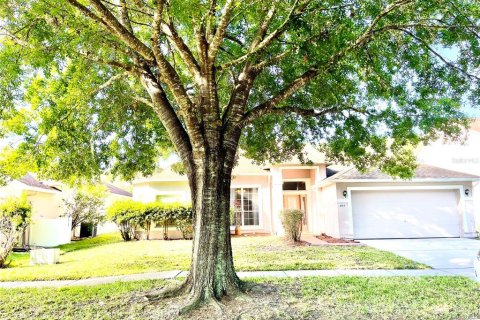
x=113, y=63
x=438, y=55
x=169, y=75
x=262, y=31
x=167, y=116
x=182, y=48
x=313, y=72
x=80, y=7
x=267, y=62
x=208, y=17
x=125, y=16
x=109, y=82
x=302, y=112
x=260, y=46
x=129, y=8
x=121, y=31
x=144, y=101
x=221, y=29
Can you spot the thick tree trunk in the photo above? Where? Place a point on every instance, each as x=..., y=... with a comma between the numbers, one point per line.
x=208, y=158
x=212, y=274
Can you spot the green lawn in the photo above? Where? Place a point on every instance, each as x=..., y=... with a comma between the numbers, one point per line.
x=108, y=255
x=303, y=298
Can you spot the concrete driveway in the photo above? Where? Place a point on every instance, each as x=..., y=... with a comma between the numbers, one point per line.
x=453, y=256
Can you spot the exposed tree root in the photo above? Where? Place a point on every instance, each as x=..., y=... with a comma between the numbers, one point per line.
x=171, y=291
x=192, y=303
x=219, y=306
x=192, y=300
x=197, y=300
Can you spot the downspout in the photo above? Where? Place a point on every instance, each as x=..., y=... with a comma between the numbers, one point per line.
x=272, y=231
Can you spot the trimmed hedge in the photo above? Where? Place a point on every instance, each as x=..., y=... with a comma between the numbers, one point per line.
x=292, y=223
x=130, y=215
x=127, y=216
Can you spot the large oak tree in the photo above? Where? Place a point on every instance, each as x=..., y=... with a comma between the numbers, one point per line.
x=95, y=86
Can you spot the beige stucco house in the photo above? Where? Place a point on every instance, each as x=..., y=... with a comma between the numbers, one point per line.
x=47, y=227
x=437, y=202
x=114, y=194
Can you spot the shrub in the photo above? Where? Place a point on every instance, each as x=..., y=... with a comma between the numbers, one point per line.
x=177, y=214
x=14, y=218
x=165, y=217
x=292, y=223
x=183, y=217
x=150, y=214
x=127, y=214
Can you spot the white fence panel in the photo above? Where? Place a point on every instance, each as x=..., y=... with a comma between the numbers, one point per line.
x=49, y=232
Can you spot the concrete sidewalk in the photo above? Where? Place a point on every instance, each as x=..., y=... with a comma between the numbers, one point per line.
x=242, y=274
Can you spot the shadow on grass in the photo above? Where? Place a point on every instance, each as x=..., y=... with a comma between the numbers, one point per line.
x=98, y=241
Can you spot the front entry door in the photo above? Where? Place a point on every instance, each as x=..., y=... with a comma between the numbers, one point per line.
x=299, y=202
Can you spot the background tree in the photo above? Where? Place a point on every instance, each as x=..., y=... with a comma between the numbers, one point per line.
x=86, y=205
x=14, y=218
x=96, y=85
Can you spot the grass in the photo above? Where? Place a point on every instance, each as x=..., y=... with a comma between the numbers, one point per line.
x=301, y=298
x=108, y=255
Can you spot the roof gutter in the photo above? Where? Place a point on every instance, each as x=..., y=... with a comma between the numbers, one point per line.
x=330, y=181
x=30, y=188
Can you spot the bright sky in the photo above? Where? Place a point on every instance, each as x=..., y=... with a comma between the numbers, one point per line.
x=472, y=112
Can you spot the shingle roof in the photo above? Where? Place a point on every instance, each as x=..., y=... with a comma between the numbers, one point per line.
x=423, y=172
x=116, y=190
x=30, y=181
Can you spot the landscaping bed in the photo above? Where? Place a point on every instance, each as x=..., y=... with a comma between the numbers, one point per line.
x=297, y=298
x=330, y=239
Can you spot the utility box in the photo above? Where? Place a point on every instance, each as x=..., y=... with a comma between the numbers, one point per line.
x=44, y=256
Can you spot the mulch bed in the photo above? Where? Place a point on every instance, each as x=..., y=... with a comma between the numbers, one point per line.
x=330, y=239
x=249, y=234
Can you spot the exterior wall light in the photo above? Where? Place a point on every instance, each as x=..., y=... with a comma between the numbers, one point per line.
x=467, y=192
x=345, y=193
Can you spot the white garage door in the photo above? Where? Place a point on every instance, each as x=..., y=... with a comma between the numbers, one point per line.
x=405, y=213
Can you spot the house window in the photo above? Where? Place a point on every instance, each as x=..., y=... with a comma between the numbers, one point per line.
x=169, y=198
x=294, y=186
x=245, y=203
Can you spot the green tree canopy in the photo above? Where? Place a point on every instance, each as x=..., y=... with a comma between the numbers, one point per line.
x=363, y=79
x=89, y=86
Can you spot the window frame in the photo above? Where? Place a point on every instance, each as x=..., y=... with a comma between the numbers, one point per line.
x=259, y=204
x=180, y=194
x=297, y=182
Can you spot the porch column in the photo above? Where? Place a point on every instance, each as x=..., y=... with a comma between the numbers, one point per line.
x=277, y=200
x=475, y=203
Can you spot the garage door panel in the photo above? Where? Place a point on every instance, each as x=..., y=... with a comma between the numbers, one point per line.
x=405, y=213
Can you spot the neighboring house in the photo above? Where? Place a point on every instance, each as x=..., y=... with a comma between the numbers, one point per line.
x=462, y=157
x=114, y=194
x=47, y=227
x=437, y=202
